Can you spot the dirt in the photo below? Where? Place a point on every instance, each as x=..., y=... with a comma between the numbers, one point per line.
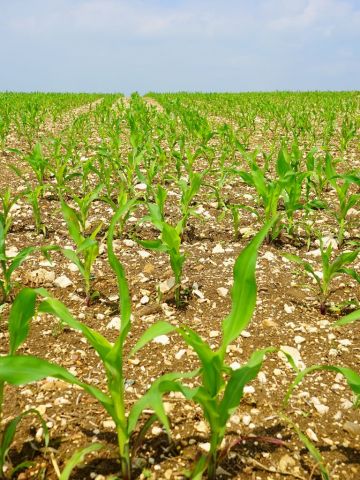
x=263, y=445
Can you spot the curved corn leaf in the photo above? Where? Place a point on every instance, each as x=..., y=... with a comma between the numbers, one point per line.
x=77, y=458
x=24, y=369
x=351, y=317
x=244, y=290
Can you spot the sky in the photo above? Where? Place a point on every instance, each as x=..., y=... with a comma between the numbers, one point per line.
x=179, y=45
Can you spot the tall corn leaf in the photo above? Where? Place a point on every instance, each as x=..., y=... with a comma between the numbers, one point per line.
x=244, y=290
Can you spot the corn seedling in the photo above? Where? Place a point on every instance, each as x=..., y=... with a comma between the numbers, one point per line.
x=18, y=326
x=222, y=388
x=330, y=269
x=87, y=248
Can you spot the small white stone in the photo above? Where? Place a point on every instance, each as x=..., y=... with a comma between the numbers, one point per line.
x=11, y=252
x=345, y=342
x=235, y=366
x=214, y=333
x=144, y=300
x=72, y=267
x=62, y=282
x=218, y=249
x=144, y=254
x=114, y=323
x=222, y=291
x=269, y=256
x=289, y=308
x=262, y=377
x=294, y=353
x=249, y=389
x=100, y=316
x=162, y=340
x=108, y=424
x=129, y=243
x=198, y=293
x=167, y=285
x=141, y=186
x=205, y=447
x=298, y=339
x=180, y=354
x=156, y=431
x=201, y=427
x=246, y=420
x=312, y=435
x=245, y=334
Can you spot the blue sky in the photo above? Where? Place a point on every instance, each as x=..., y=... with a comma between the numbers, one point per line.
x=172, y=45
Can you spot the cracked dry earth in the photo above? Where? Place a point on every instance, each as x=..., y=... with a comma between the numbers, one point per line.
x=287, y=315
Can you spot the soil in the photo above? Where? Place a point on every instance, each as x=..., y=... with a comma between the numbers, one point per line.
x=263, y=445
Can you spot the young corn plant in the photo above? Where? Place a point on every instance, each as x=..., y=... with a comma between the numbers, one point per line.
x=7, y=201
x=84, y=203
x=8, y=264
x=24, y=369
x=330, y=270
x=18, y=327
x=341, y=184
x=188, y=191
x=168, y=242
x=221, y=387
x=87, y=249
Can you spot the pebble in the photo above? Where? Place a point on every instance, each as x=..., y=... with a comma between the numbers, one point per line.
x=262, y=377
x=298, y=339
x=289, y=308
x=179, y=354
x=345, y=342
x=222, y=291
x=218, y=249
x=249, y=389
x=294, y=353
x=114, y=323
x=312, y=435
x=245, y=334
x=11, y=252
x=108, y=424
x=162, y=340
x=201, y=427
x=286, y=462
x=129, y=243
x=167, y=285
x=156, y=431
x=205, y=447
x=144, y=300
x=246, y=420
x=144, y=254
x=214, y=333
x=141, y=186
x=269, y=256
x=62, y=282
x=235, y=366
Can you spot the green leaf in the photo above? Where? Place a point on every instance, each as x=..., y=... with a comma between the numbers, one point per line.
x=96, y=340
x=159, y=328
x=10, y=430
x=22, y=311
x=351, y=317
x=19, y=259
x=24, y=369
x=352, y=378
x=238, y=379
x=124, y=295
x=244, y=290
x=77, y=458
